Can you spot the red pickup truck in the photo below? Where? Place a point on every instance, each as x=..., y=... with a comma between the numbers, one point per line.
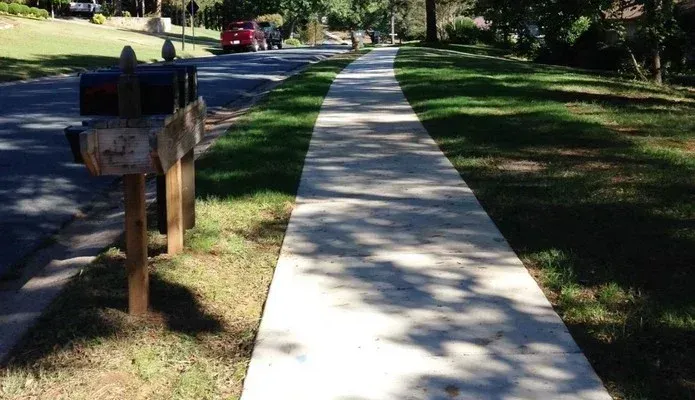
x=243, y=35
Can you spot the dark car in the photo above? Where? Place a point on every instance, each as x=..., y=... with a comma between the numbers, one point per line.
x=273, y=34
x=243, y=35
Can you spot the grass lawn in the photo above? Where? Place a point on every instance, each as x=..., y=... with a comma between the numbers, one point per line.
x=592, y=181
x=34, y=48
x=207, y=302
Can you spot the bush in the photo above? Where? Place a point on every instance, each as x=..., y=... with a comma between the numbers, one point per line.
x=591, y=51
x=3, y=7
x=312, y=32
x=293, y=42
x=107, y=9
x=24, y=9
x=125, y=14
x=98, y=19
x=578, y=28
x=43, y=14
x=272, y=18
x=463, y=31
x=14, y=8
x=33, y=11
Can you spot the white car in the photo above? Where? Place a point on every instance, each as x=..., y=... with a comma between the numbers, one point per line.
x=89, y=7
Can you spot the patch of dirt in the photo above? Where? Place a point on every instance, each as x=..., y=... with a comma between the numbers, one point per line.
x=595, y=166
x=687, y=146
x=6, y=23
x=580, y=108
x=625, y=130
x=578, y=152
x=521, y=166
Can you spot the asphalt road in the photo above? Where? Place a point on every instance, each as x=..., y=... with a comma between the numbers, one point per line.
x=41, y=189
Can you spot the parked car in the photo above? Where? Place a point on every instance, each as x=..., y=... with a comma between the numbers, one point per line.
x=85, y=7
x=243, y=35
x=273, y=34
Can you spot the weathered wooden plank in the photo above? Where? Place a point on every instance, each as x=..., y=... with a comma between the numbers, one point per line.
x=188, y=189
x=175, y=227
x=181, y=133
x=118, y=151
x=90, y=151
x=123, y=146
x=129, y=96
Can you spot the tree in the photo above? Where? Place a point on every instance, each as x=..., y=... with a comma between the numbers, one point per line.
x=275, y=19
x=659, y=23
x=410, y=19
x=359, y=14
x=507, y=16
x=431, y=18
x=448, y=10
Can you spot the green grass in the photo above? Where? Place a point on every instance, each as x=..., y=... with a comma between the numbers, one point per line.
x=34, y=48
x=205, y=303
x=477, y=49
x=592, y=181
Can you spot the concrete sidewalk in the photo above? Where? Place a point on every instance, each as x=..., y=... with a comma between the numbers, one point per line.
x=393, y=283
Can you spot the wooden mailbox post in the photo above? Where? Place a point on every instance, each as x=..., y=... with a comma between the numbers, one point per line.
x=134, y=144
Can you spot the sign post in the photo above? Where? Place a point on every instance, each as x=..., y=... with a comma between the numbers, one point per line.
x=193, y=10
x=134, y=194
x=183, y=25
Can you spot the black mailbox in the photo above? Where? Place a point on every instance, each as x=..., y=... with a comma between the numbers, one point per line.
x=187, y=78
x=159, y=92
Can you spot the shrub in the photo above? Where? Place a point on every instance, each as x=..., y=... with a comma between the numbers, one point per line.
x=3, y=7
x=33, y=11
x=98, y=19
x=125, y=14
x=107, y=9
x=273, y=18
x=293, y=42
x=14, y=8
x=594, y=50
x=578, y=28
x=312, y=32
x=43, y=14
x=24, y=9
x=463, y=31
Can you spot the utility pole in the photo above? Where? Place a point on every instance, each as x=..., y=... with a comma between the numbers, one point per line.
x=393, y=26
x=183, y=25
x=193, y=25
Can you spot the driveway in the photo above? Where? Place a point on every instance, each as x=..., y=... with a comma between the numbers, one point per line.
x=41, y=189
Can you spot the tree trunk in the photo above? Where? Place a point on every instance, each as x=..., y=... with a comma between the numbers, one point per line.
x=657, y=75
x=158, y=9
x=635, y=65
x=431, y=11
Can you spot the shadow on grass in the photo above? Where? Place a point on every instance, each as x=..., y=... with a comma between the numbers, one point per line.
x=15, y=69
x=93, y=308
x=618, y=206
x=481, y=50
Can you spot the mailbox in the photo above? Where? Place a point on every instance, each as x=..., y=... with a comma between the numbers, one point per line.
x=72, y=134
x=150, y=120
x=187, y=76
x=159, y=92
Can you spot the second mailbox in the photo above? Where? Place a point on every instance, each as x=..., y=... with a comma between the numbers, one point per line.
x=160, y=92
